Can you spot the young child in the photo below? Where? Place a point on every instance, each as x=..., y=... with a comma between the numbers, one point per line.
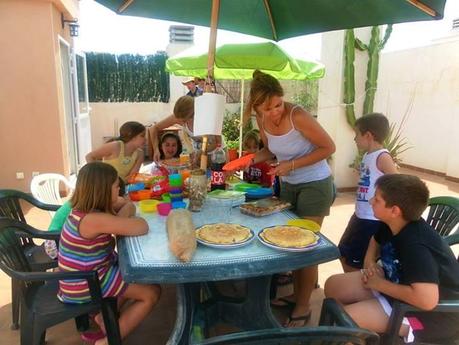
x=87, y=243
x=418, y=266
x=370, y=132
x=256, y=173
x=170, y=146
x=125, y=154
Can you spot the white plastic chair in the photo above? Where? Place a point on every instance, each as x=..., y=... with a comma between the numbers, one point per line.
x=46, y=188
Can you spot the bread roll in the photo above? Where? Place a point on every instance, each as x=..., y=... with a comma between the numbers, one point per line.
x=181, y=234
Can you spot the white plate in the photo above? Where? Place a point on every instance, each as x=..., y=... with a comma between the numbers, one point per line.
x=288, y=249
x=227, y=246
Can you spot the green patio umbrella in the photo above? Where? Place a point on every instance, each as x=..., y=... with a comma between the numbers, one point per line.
x=279, y=19
x=238, y=61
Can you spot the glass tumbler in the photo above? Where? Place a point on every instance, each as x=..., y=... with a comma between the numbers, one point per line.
x=197, y=190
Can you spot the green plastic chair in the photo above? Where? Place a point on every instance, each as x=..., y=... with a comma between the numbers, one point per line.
x=335, y=328
x=443, y=214
x=11, y=202
x=40, y=307
x=399, y=309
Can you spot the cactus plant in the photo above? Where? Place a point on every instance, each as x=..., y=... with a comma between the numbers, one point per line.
x=373, y=48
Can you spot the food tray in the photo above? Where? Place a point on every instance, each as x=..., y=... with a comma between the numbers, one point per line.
x=264, y=207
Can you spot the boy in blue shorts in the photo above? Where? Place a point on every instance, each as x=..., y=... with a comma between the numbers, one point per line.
x=418, y=267
x=370, y=132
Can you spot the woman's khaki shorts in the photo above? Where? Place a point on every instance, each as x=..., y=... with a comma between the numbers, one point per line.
x=311, y=199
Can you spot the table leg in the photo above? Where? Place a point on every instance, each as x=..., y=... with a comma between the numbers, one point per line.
x=187, y=297
x=249, y=313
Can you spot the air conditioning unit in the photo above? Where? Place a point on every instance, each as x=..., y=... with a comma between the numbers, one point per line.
x=181, y=33
x=456, y=24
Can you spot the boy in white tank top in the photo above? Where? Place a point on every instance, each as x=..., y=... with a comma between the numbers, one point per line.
x=370, y=132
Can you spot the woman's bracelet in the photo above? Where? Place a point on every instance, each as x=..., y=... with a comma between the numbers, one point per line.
x=293, y=166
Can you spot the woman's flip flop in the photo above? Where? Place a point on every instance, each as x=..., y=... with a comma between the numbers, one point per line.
x=305, y=318
x=282, y=303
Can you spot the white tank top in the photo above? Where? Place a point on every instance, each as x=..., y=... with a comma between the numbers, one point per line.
x=293, y=145
x=369, y=173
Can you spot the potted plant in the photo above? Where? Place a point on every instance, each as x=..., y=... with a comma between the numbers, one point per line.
x=233, y=147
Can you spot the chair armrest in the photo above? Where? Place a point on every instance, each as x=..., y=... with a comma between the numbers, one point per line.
x=333, y=314
x=399, y=309
x=18, y=194
x=31, y=232
x=90, y=276
x=452, y=239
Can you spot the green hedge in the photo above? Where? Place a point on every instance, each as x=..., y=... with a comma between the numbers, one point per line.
x=127, y=78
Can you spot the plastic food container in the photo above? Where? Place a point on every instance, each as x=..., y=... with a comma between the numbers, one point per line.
x=164, y=208
x=148, y=205
x=140, y=195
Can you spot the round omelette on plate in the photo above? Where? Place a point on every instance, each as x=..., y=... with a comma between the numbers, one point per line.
x=223, y=233
x=287, y=236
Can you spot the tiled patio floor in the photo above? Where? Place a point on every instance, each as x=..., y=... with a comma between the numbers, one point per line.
x=158, y=325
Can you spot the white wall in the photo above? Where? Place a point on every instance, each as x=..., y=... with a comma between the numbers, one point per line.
x=423, y=83
x=107, y=118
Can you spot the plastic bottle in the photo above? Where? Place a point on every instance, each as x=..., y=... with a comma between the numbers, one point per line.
x=218, y=160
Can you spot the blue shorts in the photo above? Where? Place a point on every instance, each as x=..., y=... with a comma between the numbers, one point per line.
x=354, y=242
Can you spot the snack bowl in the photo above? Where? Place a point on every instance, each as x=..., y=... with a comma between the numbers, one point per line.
x=148, y=205
x=164, y=208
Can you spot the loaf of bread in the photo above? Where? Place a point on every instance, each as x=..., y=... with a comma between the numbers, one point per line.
x=181, y=234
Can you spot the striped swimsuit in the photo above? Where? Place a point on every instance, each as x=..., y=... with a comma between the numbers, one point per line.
x=79, y=254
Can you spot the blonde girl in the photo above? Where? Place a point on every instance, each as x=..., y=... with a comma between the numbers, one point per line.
x=87, y=243
x=301, y=147
x=125, y=153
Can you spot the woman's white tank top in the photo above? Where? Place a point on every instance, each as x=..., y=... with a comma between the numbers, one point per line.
x=293, y=145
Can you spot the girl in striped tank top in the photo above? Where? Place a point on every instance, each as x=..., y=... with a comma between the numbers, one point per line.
x=87, y=244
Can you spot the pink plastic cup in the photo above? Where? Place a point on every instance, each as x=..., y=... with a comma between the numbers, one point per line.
x=164, y=208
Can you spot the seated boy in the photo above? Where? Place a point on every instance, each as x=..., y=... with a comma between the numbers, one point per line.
x=418, y=266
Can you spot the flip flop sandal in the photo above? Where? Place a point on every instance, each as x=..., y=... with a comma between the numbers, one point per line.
x=304, y=318
x=284, y=303
x=91, y=337
x=284, y=279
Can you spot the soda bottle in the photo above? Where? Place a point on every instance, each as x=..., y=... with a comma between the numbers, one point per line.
x=217, y=161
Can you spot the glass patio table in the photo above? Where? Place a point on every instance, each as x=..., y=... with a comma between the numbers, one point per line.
x=147, y=259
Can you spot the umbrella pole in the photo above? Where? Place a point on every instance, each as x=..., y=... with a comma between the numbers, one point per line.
x=210, y=84
x=241, y=119
x=212, y=45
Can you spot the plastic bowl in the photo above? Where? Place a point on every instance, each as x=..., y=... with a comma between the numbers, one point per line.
x=178, y=204
x=140, y=195
x=148, y=205
x=164, y=208
x=242, y=187
x=305, y=223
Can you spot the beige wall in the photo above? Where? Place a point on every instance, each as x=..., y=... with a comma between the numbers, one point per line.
x=31, y=106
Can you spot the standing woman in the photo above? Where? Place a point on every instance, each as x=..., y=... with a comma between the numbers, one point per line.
x=301, y=146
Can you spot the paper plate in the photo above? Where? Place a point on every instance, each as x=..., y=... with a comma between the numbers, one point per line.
x=239, y=163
